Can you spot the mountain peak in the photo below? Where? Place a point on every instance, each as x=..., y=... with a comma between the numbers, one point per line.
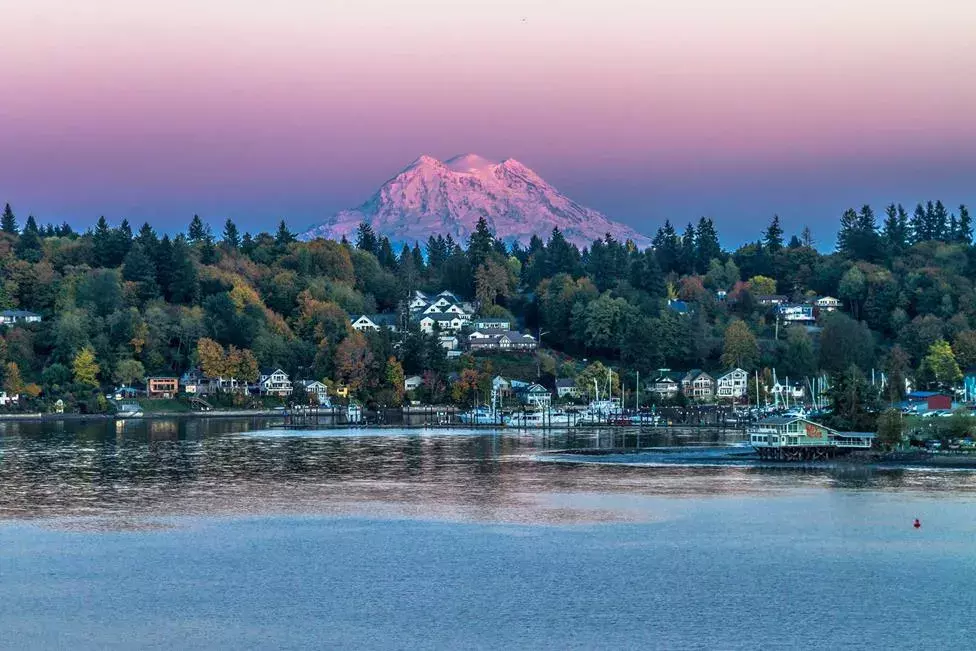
x=431, y=197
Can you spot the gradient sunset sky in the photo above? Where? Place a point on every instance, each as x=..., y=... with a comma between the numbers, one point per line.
x=643, y=109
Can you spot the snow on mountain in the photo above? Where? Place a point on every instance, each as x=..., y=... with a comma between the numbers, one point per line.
x=431, y=197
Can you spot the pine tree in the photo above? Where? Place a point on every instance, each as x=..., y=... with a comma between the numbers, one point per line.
x=8, y=223
x=247, y=244
x=940, y=221
x=964, y=228
x=773, y=236
x=806, y=237
x=893, y=231
x=386, y=255
x=667, y=247
x=231, y=237
x=847, y=232
x=138, y=267
x=183, y=286
x=197, y=230
x=366, y=239
x=481, y=243
x=706, y=241
x=28, y=247
x=686, y=257
x=284, y=237
x=920, y=225
x=102, y=245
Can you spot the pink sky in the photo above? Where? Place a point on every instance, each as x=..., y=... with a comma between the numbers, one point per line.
x=300, y=108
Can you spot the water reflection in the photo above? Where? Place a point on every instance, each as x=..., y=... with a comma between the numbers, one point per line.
x=179, y=467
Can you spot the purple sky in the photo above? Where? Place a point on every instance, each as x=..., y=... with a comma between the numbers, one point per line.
x=647, y=110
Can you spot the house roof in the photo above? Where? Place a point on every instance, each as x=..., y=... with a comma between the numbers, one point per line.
x=492, y=320
x=565, y=382
x=272, y=371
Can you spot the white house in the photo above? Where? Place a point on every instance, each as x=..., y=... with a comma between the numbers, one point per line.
x=7, y=400
x=449, y=342
x=274, y=382
x=532, y=394
x=501, y=386
x=796, y=313
x=566, y=387
x=828, y=303
x=791, y=391
x=732, y=385
x=510, y=340
x=9, y=317
x=491, y=325
x=413, y=383
x=363, y=322
x=317, y=392
x=443, y=322
x=664, y=386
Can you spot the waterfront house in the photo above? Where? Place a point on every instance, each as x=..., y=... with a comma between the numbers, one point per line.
x=532, y=394
x=412, y=383
x=566, y=388
x=796, y=438
x=698, y=385
x=501, y=386
x=732, y=385
x=364, y=322
x=274, y=382
x=665, y=386
x=6, y=400
x=11, y=317
x=162, y=387
x=316, y=392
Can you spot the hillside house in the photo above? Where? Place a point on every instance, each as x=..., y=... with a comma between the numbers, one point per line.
x=413, y=383
x=732, y=385
x=491, y=325
x=364, y=322
x=11, y=317
x=791, y=313
x=431, y=323
x=828, y=303
x=506, y=341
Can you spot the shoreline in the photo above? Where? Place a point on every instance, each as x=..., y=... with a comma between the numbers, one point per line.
x=883, y=460
x=42, y=417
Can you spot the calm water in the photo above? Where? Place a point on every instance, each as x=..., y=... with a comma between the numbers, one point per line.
x=229, y=534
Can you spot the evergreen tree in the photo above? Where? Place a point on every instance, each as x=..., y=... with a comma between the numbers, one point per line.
x=164, y=265
x=687, y=251
x=667, y=247
x=940, y=221
x=773, y=236
x=386, y=256
x=247, y=244
x=8, y=223
x=197, y=230
x=148, y=240
x=139, y=268
x=894, y=232
x=964, y=228
x=231, y=237
x=183, y=285
x=102, y=243
x=920, y=225
x=806, y=237
x=284, y=237
x=28, y=247
x=436, y=252
x=366, y=239
x=481, y=243
x=847, y=232
x=706, y=241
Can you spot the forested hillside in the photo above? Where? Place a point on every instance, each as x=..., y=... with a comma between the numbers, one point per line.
x=119, y=304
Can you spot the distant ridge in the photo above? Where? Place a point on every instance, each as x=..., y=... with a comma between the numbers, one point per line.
x=430, y=197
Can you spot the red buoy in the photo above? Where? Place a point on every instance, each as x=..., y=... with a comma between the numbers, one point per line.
x=917, y=524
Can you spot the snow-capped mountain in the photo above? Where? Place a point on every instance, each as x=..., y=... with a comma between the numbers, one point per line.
x=431, y=197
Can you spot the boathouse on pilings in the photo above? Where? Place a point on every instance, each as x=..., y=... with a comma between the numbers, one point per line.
x=792, y=438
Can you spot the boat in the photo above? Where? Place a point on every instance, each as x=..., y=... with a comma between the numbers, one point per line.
x=479, y=416
x=542, y=419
